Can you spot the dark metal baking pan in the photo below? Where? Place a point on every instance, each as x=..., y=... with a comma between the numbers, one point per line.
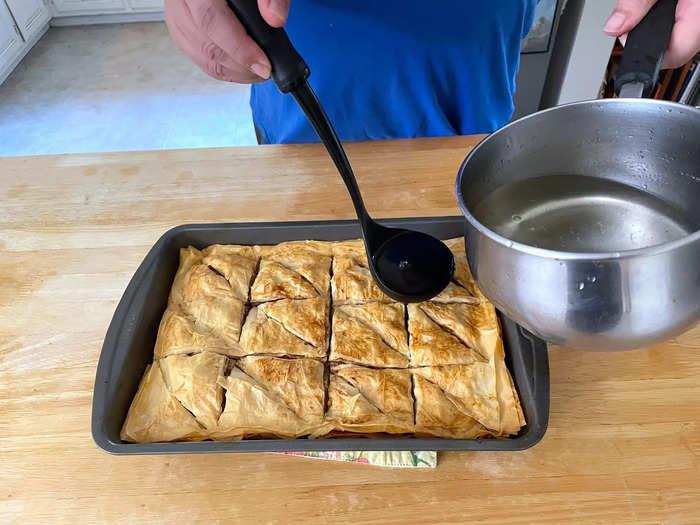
x=128, y=346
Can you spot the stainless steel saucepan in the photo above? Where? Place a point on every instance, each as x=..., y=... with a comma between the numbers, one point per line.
x=583, y=221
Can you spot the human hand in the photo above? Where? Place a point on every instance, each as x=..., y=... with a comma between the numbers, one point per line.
x=685, y=37
x=209, y=33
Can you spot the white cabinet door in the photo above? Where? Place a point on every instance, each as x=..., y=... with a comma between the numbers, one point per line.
x=30, y=15
x=10, y=40
x=87, y=7
x=147, y=5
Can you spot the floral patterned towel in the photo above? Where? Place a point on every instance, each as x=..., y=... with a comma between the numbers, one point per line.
x=401, y=459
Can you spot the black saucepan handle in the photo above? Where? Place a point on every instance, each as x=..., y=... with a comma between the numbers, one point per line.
x=288, y=68
x=645, y=47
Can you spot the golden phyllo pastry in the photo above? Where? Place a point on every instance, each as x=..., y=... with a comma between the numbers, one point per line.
x=451, y=333
x=208, y=299
x=370, y=334
x=471, y=388
x=511, y=413
x=463, y=288
x=270, y=396
x=212, y=305
x=305, y=318
x=352, y=281
x=370, y=400
x=287, y=327
x=467, y=401
x=455, y=293
x=296, y=339
x=155, y=413
x=236, y=264
x=438, y=415
x=177, y=335
x=189, y=257
x=294, y=270
x=192, y=379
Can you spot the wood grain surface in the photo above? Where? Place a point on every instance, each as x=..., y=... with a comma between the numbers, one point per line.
x=623, y=443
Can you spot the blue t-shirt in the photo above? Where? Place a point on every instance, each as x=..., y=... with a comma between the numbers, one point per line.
x=396, y=68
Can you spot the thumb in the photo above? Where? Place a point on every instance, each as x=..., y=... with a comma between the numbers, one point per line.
x=274, y=11
x=626, y=15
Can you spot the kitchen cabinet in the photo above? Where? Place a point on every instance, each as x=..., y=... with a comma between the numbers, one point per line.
x=87, y=7
x=72, y=8
x=30, y=16
x=23, y=22
x=11, y=42
x=146, y=5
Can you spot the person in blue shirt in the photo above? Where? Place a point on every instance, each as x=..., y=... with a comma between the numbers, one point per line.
x=390, y=68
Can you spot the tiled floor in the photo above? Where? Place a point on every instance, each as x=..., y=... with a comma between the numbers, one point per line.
x=116, y=88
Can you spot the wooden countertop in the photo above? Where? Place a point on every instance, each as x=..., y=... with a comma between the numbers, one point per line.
x=624, y=435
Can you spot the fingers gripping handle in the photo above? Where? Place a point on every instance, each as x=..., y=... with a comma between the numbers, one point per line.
x=288, y=68
x=645, y=47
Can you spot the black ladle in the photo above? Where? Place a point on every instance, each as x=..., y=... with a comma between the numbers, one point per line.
x=408, y=266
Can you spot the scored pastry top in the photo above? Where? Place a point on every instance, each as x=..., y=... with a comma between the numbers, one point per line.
x=352, y=281
x=296, y=339
x=286, y=327
x=292, y=270
x=371, y=334
x=273, y=396
x=370, y=400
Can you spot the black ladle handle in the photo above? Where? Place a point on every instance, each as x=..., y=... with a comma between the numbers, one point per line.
x=290, y=72
x=288, y=68
x=645, y=47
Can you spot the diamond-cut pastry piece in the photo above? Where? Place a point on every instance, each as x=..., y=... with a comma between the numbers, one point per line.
x=298, y=381
x=291, y=328
x=276, y=281
x=292, y=271
x=273, y=396
x=305, y=318
x=435, y=340
x=437, y=415
x=451, y=333
x=253, y=411
x=156, y=415
x=189, y=257
x=471, y=388
x=192, y=379
x=463, y=288
x=177, y=335
x=235, y=263
x=371, y=334
x=352, y=282
x=207, y=299
x=370, y=400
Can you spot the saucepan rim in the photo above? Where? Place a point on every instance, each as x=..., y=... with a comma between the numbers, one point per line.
x=556, y=254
